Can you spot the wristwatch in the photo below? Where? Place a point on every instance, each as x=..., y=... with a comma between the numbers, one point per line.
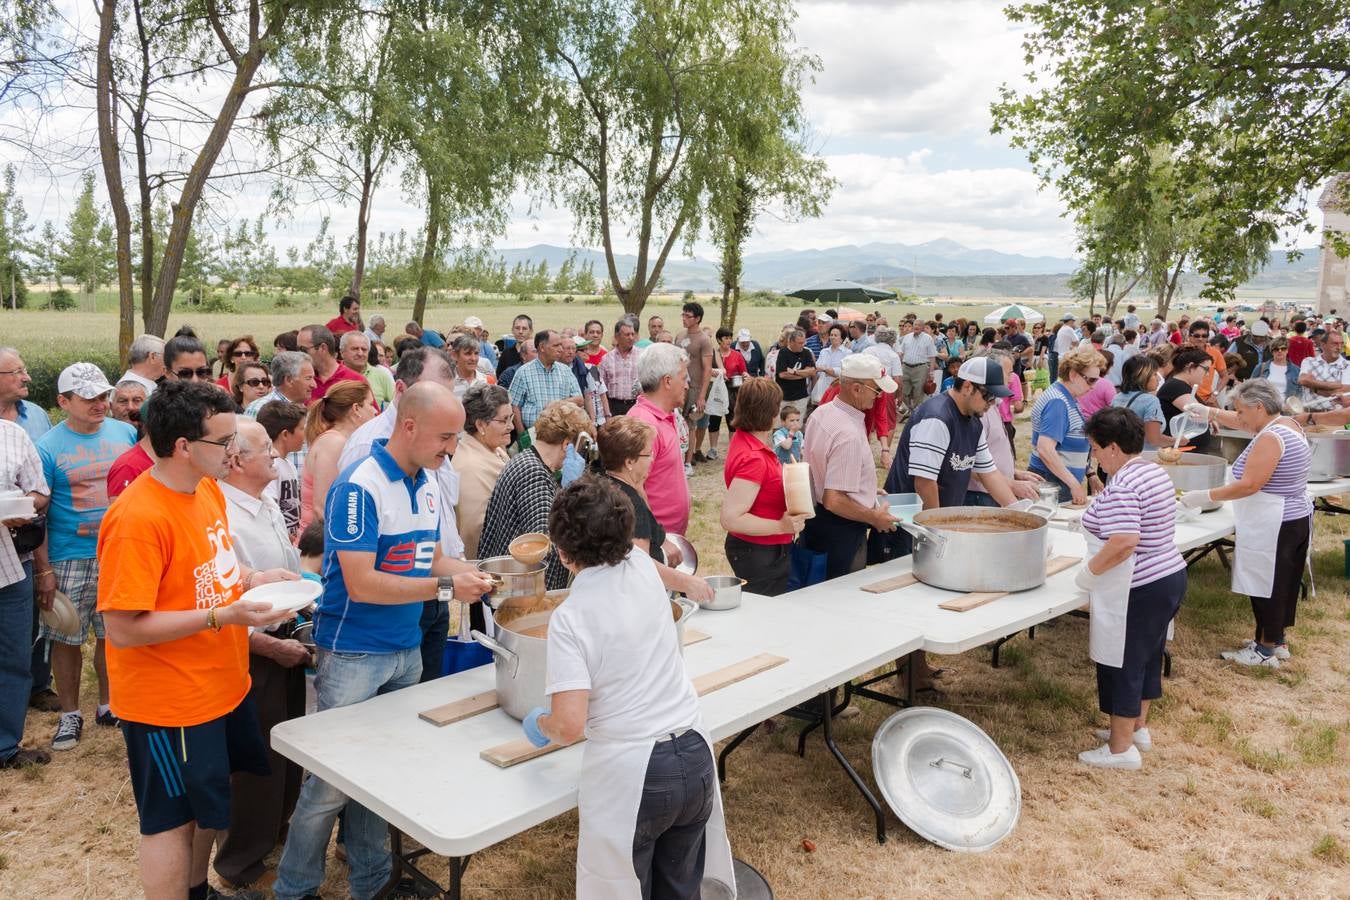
x=445, y=587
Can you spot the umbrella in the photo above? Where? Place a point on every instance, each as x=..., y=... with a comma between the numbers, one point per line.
x=849, y=314
x=842, y=292
x=1013, y=311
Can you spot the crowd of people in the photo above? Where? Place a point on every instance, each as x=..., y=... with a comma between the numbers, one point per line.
x=385, y=466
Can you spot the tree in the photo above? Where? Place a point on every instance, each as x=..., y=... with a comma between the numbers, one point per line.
x=640, y=111
x=13, y=244
x=1252, y=96
x=85, y=253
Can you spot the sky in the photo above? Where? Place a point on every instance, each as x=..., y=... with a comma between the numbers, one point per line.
x=899, y=112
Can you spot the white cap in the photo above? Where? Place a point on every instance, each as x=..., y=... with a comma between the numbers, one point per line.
x=986, y=372
x=1260, y=329
x=864, y=365
x=823, y=318
x=473, y=322
x=84, y=380
x=743, y=335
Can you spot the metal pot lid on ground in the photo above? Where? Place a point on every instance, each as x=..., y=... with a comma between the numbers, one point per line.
x=946, y=779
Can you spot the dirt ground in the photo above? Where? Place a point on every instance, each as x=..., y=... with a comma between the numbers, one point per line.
x=1247, y=792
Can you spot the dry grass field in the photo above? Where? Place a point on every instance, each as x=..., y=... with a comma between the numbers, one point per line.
x=1246, y=794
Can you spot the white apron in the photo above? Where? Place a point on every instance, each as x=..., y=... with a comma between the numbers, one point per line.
x=1256, y=520
x=1109, y=603
x=612, y=776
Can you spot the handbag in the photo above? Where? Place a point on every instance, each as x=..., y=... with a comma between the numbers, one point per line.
x=805, y=566
x=719, y=401
x=28, y=536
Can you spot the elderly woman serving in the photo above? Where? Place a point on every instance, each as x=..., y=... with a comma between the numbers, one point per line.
x=1270, y=485
x=650, y=809
x=1135, y=579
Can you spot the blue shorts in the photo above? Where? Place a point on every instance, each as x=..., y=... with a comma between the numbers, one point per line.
x=182, y=775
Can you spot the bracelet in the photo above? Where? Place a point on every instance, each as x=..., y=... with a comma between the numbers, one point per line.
x=248, y=580
x=211, y=619
x=44, y=573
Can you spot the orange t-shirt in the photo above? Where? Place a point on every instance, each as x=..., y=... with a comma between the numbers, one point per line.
x=1218, y=371
x=159, y=549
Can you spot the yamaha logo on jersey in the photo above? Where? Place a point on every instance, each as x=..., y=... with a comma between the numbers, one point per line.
x=346, y=509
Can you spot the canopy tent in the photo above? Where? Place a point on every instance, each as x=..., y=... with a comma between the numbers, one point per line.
x=1013, y=311
x=842, y=292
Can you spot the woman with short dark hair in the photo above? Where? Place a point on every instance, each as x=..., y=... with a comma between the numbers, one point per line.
x=241, y=350
x=1135, y=579
x=1138, y=382
x=1190, y=369
x=649, y=807
x=754, y=508
x=250, y=381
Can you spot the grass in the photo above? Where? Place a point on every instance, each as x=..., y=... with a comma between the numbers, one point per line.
x=1328, y=849
x=1259, y=806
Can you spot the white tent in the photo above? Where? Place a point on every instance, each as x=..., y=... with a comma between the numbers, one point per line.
x=1013, y=311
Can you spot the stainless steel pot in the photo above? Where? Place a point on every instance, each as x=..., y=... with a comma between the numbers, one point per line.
x=726, y=592
x=513, y=578
x=520, y=649
x=1232, y=442
x=1195, y=472
x=1330, y=455
x=967, y=548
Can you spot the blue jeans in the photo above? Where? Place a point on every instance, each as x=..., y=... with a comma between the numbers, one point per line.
x=435, y=625
x=980, y=498
x=342, y=679
x=1054, y=367
x=16, y=679
x=677, y=801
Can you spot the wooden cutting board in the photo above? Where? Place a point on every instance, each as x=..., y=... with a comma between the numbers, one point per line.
x=891, y=584
x=504, y=756
x=970, y=601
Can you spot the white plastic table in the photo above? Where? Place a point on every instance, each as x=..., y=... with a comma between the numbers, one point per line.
x=430, y=783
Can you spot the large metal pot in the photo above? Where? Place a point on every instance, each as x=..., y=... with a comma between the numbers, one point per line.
x=513, y=578
x=1232, y=442
x=1330, y=455
x=1195, y=472
x=520, y=649
x=967, y=548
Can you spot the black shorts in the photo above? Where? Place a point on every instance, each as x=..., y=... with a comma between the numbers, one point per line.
x=182, y=775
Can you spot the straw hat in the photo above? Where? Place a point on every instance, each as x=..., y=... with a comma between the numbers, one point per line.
x=62, y=617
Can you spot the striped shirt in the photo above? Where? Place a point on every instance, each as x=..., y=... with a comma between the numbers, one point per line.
x=535, y=387
x=620, y=374
x=1140, y=499
x=1290, y=478
x=1057, y=416
x=836, y=448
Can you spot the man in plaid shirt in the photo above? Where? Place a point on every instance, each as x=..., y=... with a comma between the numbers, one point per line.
x=542, y=381
x=618, y=368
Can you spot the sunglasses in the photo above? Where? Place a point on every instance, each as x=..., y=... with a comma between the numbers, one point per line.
x=247, y=354
x=258, y=382
x=202, y=374
x=1091, y=381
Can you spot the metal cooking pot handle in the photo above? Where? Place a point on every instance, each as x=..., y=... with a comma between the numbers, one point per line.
x=926, y=534
x=507, y=656
x=1049, y=509
x=943, y=761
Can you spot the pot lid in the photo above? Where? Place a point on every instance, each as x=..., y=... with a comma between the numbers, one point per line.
x=946, y=779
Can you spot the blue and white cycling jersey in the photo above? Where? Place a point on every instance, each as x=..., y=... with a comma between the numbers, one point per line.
x=373, y=507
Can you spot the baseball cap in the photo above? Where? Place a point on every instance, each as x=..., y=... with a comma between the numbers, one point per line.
x=1260, y=329
x=84, y=380
x=743, y=335
x=581, y=340
x=1069, y=317
x=986, y=372
x=824, y=318
x=473, y=322
x=863, y=365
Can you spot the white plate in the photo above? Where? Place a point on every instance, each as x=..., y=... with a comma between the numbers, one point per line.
x=286, y=596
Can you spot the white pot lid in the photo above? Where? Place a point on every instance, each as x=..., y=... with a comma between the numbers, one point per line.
x=946, y=779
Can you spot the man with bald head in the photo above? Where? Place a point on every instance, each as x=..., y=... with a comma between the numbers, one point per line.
x=261, y=804
x=382, y=561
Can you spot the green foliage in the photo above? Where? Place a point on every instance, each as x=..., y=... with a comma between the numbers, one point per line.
x=1250, y=98
x=13, y=244
x=86, y=252
x=61, y=299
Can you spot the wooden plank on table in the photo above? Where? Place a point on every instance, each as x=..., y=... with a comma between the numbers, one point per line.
x=891, y=584
x=970, y=601
x=503, y=756
x=1060, y=563
x=460, y=709
x=694, y=636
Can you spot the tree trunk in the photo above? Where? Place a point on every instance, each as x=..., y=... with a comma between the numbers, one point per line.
x=433, y=231
x=1165, y=302
x=363, y=226
x=142, y=166
x=112, y=175
x=157, y=315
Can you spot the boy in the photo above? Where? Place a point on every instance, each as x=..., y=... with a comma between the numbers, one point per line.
x=787, y=440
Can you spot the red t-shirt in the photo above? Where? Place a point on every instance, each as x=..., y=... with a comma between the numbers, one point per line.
x=594, y=358
x=126, y=468
x=341, y=373
x=733, y=363
x=340, y=326
x=1175, y=338
x=1300, y=348
x=750, y=459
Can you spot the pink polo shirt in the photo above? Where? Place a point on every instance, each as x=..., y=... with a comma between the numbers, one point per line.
x=840, y=457
x=667, y=489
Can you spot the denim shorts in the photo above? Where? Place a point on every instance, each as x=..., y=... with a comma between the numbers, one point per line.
x=78, y=580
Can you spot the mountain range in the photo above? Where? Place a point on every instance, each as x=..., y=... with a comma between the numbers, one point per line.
x=939, y=266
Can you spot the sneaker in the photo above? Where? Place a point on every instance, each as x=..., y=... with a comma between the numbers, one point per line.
x=1281, y=651
x=1142, y=739
x=712, y=453
x=24, y=757
x=1103, y=758
x=849, y=712
x=699, y=457
x=107, y=719
x=688, y=470
x=1250, y=656
x=68, y=732
x=45, y=700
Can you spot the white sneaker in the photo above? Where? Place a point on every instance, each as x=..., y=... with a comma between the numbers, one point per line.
x=1281, y=651
x=688, y=469
x=712, y=453
x=1142, y=739
x=1250, y=656
x=1103, y=758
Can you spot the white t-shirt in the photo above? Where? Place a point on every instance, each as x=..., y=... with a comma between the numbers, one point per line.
x=614, y=636
x=1279, y=378
x=890, y=360
x=1065, y=340
x=285, y=490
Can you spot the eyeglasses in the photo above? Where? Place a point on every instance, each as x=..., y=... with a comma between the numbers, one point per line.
x=247, y=354
x=871, y=387
x=21, y=371
x=258, y=382
x=1090, y=381
x=227, y=443
x=202, y=374
x=508, y=420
